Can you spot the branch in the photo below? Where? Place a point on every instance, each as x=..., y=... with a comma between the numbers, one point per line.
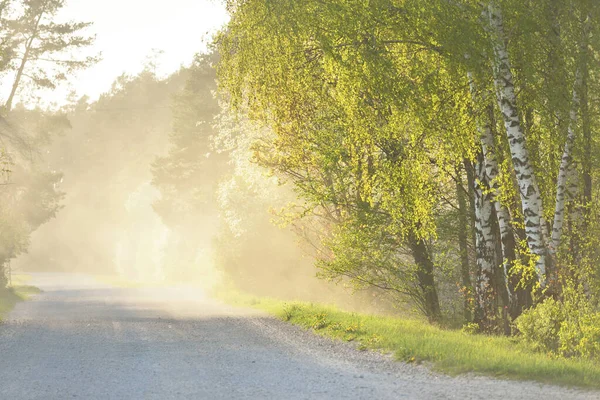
x=67, y=62
x=426, y=45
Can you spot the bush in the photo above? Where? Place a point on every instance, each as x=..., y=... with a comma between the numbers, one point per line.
x=3, y=277
x=471, y=328
x=569, y=327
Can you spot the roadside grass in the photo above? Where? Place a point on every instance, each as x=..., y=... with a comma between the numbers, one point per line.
x=11, y=296
x=20, y=279
x=415, y=341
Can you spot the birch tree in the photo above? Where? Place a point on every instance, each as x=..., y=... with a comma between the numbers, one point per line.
x=486, y=243
x=490, y=180
x=374, y=109
x=531, y=200
x=568, y=171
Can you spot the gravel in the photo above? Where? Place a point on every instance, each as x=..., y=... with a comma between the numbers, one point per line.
x=81, y=339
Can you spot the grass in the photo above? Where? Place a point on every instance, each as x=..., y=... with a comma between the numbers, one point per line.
x=20, y=279
x=11, y=296
x=449, y=351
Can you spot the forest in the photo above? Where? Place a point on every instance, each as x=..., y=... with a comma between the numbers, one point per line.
x=434, y=157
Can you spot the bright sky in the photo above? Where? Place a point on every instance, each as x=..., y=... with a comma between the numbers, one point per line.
x=129, y=30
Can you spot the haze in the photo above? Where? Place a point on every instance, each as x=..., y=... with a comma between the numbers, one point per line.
x=130, y=33
x=136, y=177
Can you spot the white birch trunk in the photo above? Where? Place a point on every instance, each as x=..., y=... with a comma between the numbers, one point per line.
x=566, y=184
x=531, y=200
x=565, y=193
x=490, y=161
x=485, y=242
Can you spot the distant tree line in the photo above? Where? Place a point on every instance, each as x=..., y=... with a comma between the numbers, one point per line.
x=36, y=52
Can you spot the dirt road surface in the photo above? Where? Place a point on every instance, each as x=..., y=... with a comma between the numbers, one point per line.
x=82, y=339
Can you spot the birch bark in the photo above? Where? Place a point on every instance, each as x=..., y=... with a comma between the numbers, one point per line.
x=531, y=200
x=566, y=184
x=485, y=244
x=486, y=136
x=563, y=194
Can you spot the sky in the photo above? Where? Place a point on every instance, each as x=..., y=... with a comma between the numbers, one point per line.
x=129, y=31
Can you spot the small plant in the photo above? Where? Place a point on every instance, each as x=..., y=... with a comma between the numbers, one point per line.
x=349, y=337
x=289, y=310
x=320, y=321
x=471, y=328
x=336, y=326
x=370, y=342
x=374, y=339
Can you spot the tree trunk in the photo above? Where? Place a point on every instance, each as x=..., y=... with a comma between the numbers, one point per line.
x=29, y=44
x=587, y=142
x=567, y=182
x=587, y=166
x=470, y=170
x=566, y=169
x=485, y=248
x=425, y=277
x=531, y=200
x=465, y=269
x=488, y=147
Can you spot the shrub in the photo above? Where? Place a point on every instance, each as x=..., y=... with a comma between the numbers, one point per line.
x=539, y=326
x=471, y=328
x=569, y=327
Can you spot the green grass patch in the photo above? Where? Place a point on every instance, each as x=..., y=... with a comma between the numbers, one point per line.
x=449, y=351
x=11, y=296
x=20, y=279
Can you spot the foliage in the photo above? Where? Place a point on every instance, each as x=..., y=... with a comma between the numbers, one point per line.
x=30, y=194
x=370, y=256
x=567, y=327
x=34, y=45
x=376, y=113
x=349, y=149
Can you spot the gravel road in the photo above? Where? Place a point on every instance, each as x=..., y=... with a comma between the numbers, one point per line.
x=82, y=339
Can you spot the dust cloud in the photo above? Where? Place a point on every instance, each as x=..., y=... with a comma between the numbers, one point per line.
x=160, y=188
